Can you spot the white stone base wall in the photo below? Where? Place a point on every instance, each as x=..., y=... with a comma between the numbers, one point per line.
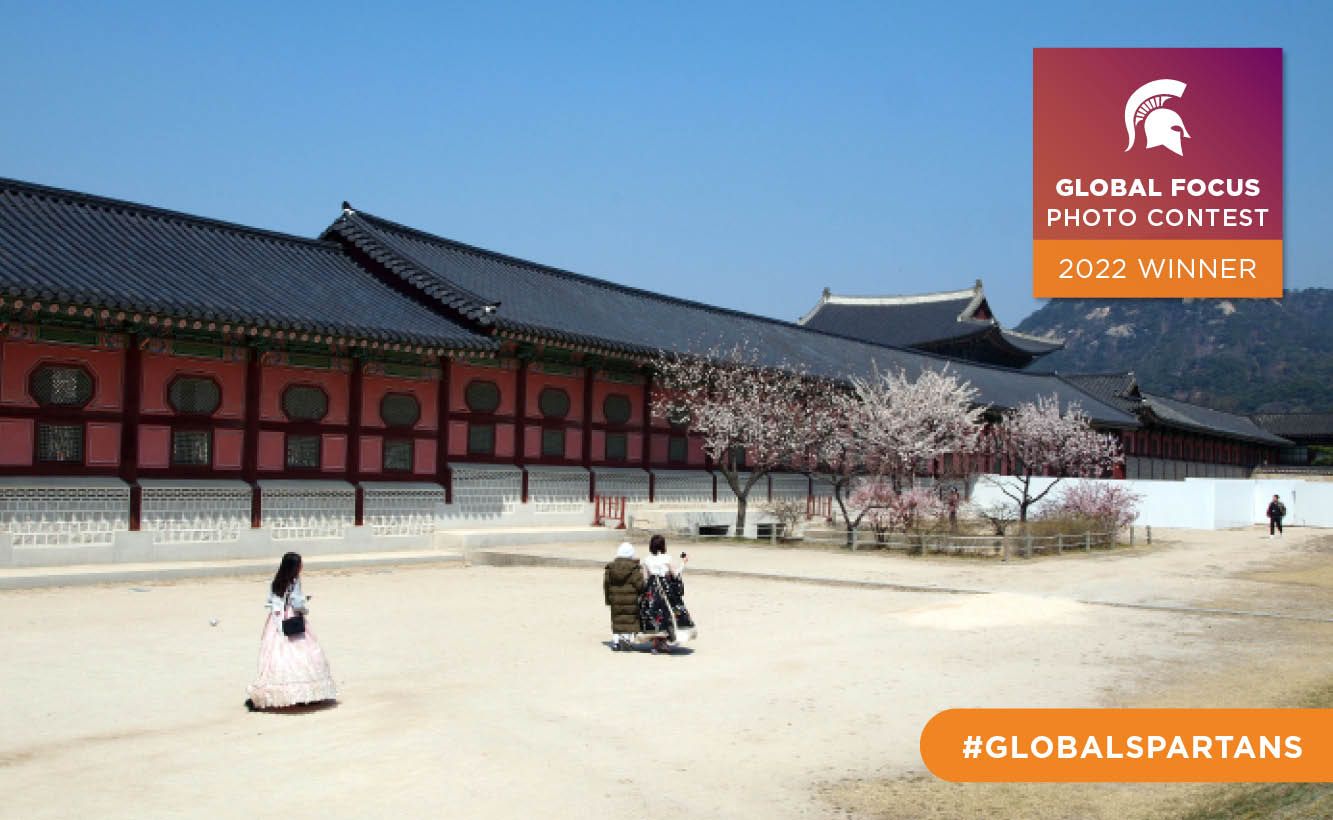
x=195, y=512
x=485, y=492
x=307, y=510
x=402, y=510
x=63, y=513
x=631, y=485
x=790, y=485
x=557, y=489
x=1169, y=469
x=682, y=487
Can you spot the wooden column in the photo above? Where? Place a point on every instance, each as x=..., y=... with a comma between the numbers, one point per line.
x=250, y=443
x=645, y=451
x=589, y=374
x=442, y=474
x=354, y=393
x=521, y=424
x=521, y=414
x=130, y=388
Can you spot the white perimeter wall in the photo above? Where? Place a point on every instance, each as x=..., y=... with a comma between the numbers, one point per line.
x=1199, y=503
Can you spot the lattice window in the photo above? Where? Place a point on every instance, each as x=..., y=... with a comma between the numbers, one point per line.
x=192, y=447
x=617, y=447
x=678, y=419
x=60, y=443
x=553, y=443
x=398, y=454
x=305, y=402
x=617, y=408
x=678, y=449
x=62, y=386
x=481, y=439
x=194, y=395
x=553, y=402
x=302, y=452
x=482, y=396
x=400, y=409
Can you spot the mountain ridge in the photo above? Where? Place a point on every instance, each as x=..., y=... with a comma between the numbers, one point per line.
x=1238, y=355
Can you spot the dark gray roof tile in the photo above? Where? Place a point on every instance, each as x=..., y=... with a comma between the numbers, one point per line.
x=555, y=303
x=73, y=247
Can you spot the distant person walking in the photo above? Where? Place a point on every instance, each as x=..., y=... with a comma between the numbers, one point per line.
x=292, y=667
x=622, y=583
x=1276, y=512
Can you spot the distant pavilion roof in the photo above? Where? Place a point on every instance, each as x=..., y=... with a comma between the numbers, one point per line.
x=519, y=297
x=77, y=249
x=931, y=321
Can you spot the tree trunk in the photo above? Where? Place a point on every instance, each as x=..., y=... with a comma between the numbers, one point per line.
x=741, y=502
x=846, y=516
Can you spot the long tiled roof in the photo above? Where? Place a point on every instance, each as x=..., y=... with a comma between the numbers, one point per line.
x=524, y=297
x=58, y=245
x=1205, y=419
x=1121, y=390
x=1297, y=425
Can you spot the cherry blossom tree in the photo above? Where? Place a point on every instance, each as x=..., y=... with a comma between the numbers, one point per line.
x=1110, y=505
x=1042, y=441
x=910, y=422
x=904, y=510
x=751, y=418
x=883, y=430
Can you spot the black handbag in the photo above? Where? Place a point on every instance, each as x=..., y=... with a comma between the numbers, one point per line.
x=295, y=625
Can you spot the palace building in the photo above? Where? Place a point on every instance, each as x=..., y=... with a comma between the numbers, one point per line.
x=169, y=380
x=956, y=323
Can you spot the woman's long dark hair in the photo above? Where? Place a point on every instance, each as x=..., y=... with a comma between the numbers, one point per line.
x=287, y=572
x=657, y=545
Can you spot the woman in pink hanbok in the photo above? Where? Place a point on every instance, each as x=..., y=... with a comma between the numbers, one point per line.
x=292, y=667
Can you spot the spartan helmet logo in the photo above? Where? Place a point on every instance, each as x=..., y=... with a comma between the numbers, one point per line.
x=1161, y=126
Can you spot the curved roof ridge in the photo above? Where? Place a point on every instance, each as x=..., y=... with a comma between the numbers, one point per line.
x=1033, y=337
x=606, y=283
x=417, y=273
x=904, y=299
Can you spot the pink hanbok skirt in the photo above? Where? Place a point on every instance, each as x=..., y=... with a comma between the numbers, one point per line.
x=291, y=670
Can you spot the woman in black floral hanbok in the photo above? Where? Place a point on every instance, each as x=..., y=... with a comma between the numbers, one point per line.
x=662, y=612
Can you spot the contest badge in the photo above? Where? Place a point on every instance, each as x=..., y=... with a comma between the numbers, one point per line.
x=1157, y=172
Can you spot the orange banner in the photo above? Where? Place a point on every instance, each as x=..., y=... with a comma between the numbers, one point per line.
x=1130, y=745
x=1148, y=268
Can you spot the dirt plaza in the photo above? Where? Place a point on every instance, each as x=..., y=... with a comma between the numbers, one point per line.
x=489, y=691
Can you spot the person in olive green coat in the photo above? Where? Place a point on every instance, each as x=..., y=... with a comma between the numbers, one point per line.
x=621, y=585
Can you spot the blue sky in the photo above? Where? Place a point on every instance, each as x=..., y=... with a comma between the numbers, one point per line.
x=742, y=154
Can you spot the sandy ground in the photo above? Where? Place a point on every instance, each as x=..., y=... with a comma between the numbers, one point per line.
x=488, y=691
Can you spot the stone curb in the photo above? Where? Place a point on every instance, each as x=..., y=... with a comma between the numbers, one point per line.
x=510, y=559
x=111, y=574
